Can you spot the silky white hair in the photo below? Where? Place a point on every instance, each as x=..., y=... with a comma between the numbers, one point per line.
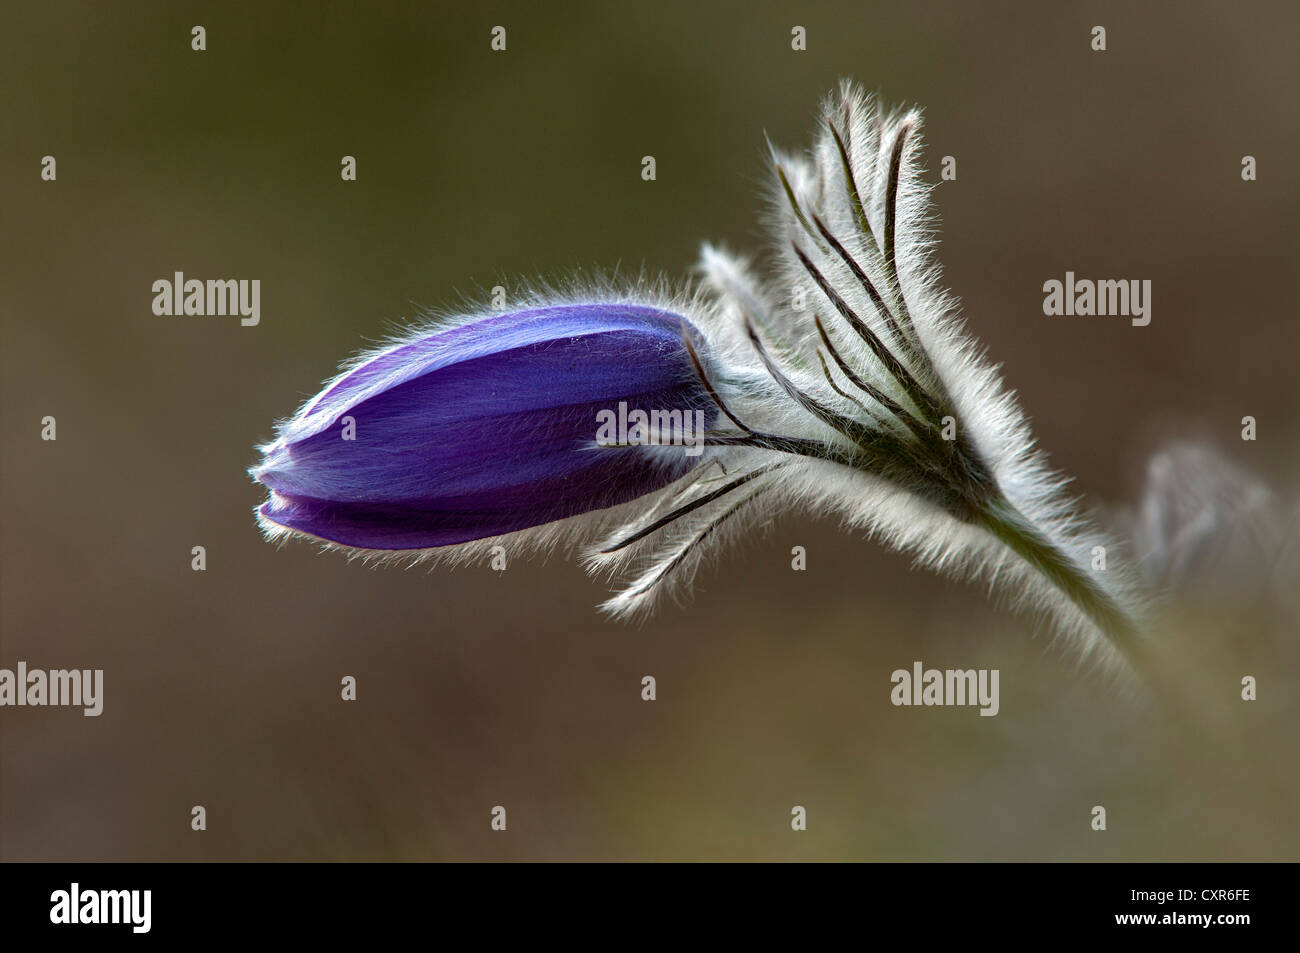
x=847, y=385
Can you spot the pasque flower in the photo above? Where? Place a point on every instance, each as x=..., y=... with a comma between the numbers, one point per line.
x=844, y=382
x=481, y=427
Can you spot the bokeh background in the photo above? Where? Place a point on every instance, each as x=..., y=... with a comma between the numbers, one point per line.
x=478, y=688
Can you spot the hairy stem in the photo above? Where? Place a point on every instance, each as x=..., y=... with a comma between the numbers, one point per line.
x=1000, y=517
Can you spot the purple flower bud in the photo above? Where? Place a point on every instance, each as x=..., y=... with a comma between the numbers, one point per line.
x=485, y=428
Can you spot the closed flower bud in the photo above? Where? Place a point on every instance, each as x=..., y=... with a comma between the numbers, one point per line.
x=486, y=427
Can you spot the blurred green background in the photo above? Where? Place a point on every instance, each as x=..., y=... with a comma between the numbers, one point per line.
x=478, y=688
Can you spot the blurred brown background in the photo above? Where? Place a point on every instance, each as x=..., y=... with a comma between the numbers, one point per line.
x=478, y=688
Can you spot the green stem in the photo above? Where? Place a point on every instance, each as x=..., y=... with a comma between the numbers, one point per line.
x=1010, y=526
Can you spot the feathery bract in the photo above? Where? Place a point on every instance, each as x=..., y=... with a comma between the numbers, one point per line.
x=841, y=382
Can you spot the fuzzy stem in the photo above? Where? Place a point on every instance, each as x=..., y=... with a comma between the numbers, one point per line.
x=1010, y=526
